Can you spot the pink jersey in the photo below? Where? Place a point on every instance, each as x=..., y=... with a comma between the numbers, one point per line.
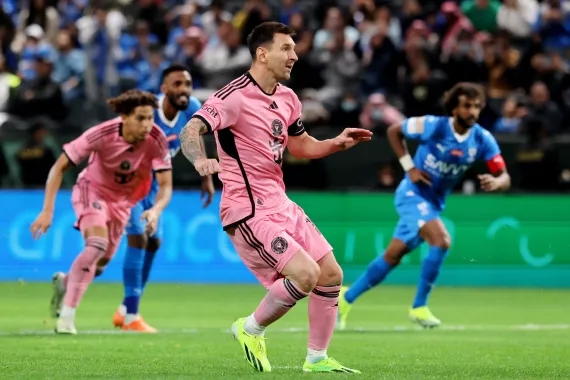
x=251, y=129
x=118, y=171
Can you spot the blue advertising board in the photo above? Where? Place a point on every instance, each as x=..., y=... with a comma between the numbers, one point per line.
x=195, y=248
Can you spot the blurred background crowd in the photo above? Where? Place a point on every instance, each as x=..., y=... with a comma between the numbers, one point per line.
x=361, y=62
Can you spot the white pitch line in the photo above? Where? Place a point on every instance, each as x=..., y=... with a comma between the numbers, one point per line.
x=526, y=327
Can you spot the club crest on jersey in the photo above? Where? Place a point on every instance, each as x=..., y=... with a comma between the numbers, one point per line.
x=472, y=152
x=456, y=152
x=96, y=205
x=125, y=165
x=279, y=245
x=277, y=128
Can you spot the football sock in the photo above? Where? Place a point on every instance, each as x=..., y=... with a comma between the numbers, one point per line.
x=280, y=298
x=133, y=278
x=323, y=309
x=82, y=270
x=147, y=265
x=430, y=269
x=376, y=272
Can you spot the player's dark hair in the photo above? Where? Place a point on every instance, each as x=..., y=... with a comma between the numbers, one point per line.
x=263, y=34
x=467, y=89
x=174, y=68
x=126, y=103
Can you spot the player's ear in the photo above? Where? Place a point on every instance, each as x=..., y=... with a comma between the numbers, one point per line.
x=163, y=88
x=261, y=54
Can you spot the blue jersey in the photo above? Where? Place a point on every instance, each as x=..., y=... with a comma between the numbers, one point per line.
x=444, y=154
x=172, y=128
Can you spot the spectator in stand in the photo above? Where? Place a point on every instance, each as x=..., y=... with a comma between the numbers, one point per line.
x=37, y=13
x=69, y=67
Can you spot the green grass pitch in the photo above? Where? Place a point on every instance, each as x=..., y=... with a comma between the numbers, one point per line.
x=487, y=334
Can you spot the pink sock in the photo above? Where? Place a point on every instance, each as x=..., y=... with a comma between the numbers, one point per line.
x=82, y=270
x=323, y=308
x=280, y=298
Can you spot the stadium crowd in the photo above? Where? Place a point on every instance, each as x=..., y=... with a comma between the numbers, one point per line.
x=361, y=62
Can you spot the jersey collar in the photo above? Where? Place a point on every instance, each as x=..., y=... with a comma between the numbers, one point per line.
x=162, y=117
x=458, y=137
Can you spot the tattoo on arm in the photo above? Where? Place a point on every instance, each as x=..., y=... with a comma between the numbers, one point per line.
x=190, y=138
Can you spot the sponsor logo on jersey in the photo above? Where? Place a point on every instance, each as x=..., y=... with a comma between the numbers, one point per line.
x=456, y=152
x=434, y=165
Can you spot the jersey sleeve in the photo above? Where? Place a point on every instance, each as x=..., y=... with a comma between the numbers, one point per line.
x=491, y=153
x=296, y=127
x=219, y=113
x=80, y=148
x=162, y=158
x=420, y=128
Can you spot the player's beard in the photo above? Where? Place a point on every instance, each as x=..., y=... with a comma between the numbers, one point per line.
x=464, y=123
x=173, y=99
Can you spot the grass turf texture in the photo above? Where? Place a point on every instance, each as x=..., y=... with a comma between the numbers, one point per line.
x=486, y=334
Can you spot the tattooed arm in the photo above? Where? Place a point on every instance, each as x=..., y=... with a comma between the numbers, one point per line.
x=191, y=140
x=192, y=143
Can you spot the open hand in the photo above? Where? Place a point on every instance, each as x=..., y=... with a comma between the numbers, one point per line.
x=488, y=182
x=151, y=218
x=207, y=190
x=351, y=137
x=42, y=223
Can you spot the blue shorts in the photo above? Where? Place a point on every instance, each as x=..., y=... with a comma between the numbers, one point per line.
x=136, y=226
x=414, y=212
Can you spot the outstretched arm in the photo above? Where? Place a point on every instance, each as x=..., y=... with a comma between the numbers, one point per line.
x=306, y=146
x=54, y=179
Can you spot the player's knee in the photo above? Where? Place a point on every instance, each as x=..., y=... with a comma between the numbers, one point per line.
x=331, y=275
x=137, y=241
x=442, y=240
x=153, y=244
x=308, y=276
x=393, y=257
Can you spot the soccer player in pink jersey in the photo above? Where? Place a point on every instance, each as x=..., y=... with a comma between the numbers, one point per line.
x=254, y=118
x=122, y=154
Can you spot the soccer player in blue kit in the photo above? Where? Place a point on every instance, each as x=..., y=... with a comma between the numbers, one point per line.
x=175, y=108
x=448, y=146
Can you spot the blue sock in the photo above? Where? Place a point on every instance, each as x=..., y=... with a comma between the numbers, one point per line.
x=133, y=278
x=430, y=270
x=147, y=265
x=375, y=273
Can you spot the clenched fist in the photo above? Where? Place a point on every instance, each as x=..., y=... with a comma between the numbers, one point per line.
x=207, y=166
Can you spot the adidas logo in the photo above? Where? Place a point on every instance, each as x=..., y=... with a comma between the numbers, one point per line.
x=273, y=106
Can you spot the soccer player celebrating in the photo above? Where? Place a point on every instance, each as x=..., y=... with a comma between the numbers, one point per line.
x=175, y=107
x=123, y=153
x=254, y=118
x=448, y=146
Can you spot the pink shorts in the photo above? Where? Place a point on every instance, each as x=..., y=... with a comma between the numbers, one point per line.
x=92, y=211
x=266, y=243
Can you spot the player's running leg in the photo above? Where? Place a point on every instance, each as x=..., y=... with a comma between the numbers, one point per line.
x=81, y=274
x=323, y=308
x=436, y=235
x=152, y=246
x=127, y=316
x=376, y=272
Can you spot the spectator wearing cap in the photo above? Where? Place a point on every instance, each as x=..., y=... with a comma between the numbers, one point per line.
x=34, y=46
x=40, y=96
x=37, y=13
